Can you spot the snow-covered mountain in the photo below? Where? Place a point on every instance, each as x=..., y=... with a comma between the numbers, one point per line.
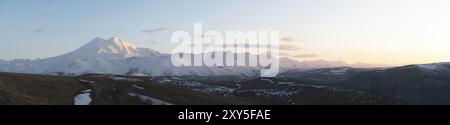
x=435, y=67
x=111, y=49
x=116, y=56
x=287, y=63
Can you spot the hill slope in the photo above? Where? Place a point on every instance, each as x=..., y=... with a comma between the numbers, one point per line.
x=415, y=84
x=99, y=89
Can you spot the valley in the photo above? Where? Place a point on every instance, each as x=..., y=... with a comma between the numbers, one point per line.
x=27, y=89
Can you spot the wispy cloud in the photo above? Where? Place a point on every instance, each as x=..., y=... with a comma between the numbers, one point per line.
x=306, y=56
x=299, y=56
x=283, y=47
x=289, y=44
x=38, y=30
x=288, y=39
x=160, y=29
x=289, y=48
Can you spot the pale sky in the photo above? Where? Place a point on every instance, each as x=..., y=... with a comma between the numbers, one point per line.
x=354, y=31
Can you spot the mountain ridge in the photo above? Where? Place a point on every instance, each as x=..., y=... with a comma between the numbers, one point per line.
x=117, y=56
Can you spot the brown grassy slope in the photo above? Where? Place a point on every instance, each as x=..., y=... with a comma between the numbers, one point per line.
x=25, y=89
x=28, y=89
x=107, y=91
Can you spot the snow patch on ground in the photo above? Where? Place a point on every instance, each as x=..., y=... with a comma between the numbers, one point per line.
x=149, y=99
x=138, y=87
x=84, y=98
x=86, y=81
x=216, y=90
x=313, y=86
x=287, y=83
x=197, y=86
x=139, y=74
x=271, y=92
x=238, y=86
x=339, y=70
x=116, y=78
x=268, y=80
x=86, y=91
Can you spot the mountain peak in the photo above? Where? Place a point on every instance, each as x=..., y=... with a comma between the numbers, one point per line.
x=119, y=43
x=112, y=48
x=114, y=39
x=98, y=39
x=113, y=42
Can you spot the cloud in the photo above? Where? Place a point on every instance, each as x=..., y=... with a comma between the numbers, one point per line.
x=288, y=39
x=306, y=56
x=254, y=46
x=288, y=44
x=156, y=30
x=38, y=30
x=289, y=47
